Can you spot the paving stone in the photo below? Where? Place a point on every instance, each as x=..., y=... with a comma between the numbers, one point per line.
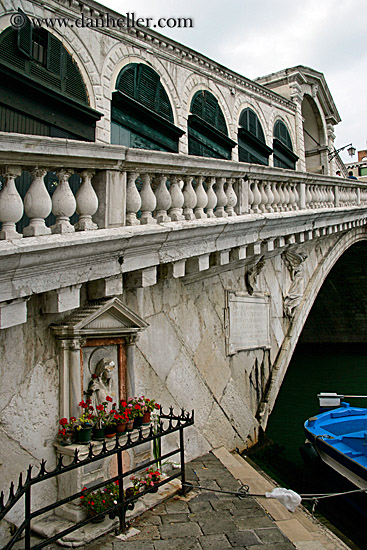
x=276, y=546
x=245, y=523
x=214, y=542
x=147, y=532
x=159, y=510
x=177, y=507
x=175, y=518
x=200, y=506
x=148, y=519
x=177, y=530
x=187, y=543
x=214, y=524
x=243, y=538
x=132, y=545
x=272, y=535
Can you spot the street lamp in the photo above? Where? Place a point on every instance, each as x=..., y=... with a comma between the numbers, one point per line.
x=351, y=151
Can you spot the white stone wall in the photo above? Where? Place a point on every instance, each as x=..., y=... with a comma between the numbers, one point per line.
x=100, y=57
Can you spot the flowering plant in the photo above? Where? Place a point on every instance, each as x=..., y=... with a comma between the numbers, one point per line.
x=150, y=477
x=98, y=501
x=99, y=417
x=86, y=419
x=150, y=405
x=135, y=406
x=66, y=426
x=112, y=417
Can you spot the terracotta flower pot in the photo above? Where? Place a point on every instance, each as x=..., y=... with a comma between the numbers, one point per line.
x=146, y=418
x=110, y=431
x=121, y=427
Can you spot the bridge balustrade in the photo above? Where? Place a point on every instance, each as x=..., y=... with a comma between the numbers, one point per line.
x=137, y=187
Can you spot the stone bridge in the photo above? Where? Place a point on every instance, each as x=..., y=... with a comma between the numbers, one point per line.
x=222, y=260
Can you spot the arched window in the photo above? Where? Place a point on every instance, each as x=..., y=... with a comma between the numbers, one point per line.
x=42, y=91
x=142, y=115
x=282, y=146
x=207, y=130
x=251, y=140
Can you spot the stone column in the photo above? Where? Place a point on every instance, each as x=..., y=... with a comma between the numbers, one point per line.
x=130, y=361
x=297, y=98
x=70, y=378
x=331, y=166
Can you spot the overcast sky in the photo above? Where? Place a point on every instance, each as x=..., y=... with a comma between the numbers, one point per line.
x=258, y=37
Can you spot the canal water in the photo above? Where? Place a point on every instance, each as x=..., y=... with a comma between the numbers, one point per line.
x=340, y=368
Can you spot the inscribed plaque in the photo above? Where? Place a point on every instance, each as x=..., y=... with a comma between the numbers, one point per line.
x=247, y=322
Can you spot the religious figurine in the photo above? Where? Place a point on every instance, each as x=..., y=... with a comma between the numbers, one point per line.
x=101, y=384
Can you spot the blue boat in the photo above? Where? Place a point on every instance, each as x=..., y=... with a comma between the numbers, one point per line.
x=339, y=436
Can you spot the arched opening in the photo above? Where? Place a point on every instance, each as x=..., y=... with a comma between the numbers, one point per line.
x=330, y=356
x=251, y=139
x=42, y=91
x=207, y=129
x=141, y=114
x=283, y=148
x=314, y=139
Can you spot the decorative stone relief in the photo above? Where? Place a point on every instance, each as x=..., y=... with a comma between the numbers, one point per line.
x=252, y=274
x=294, y=262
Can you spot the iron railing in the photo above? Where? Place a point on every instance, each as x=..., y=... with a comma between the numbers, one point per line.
x=168, y=424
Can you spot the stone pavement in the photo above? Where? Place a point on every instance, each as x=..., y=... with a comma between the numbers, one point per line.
x=214, y=521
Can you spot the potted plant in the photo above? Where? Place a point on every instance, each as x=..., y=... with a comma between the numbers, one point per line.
x=96, y=502
x=85, y=422
x=136, y=406
x=99, y=419
x=150, y=479
x=111, y=419
x=66, y=432
x=150, y=405
x=124, y=417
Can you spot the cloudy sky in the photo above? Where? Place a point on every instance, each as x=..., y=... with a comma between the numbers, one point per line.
x=258, y=37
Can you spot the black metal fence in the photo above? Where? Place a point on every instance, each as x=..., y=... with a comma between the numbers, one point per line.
x=168, y=424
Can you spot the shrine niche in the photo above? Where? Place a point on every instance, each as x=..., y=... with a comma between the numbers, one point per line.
x=97, y=345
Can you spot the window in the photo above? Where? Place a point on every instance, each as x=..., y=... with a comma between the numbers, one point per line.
x=42, y=91
x=251, y=139
x=142, y=115
x=282, y=146
x=207, y=129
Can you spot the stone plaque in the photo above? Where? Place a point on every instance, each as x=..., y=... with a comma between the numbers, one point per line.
x=247, y=322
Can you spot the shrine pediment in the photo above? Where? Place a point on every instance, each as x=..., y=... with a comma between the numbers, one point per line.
x=100, y=318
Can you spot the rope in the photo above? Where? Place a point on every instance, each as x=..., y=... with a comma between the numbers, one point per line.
x=243, y=492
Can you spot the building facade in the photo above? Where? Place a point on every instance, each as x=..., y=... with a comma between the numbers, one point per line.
x=175, y=186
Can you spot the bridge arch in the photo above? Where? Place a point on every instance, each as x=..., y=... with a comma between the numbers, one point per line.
x=310, y=294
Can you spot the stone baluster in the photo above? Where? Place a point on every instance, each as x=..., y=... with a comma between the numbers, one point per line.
x=212, y=197
x=296, y=205
x=276, y=195
x=63, y=203
x=221, y=198
x=264, y=198
x=250, y=196
x=313, y=195
x=282, y=197
x=257, y=196
x=292, y=197
x=270, y=197
x=148, y=201
x=189, y=199
x=330, y=196
x=86, y=203
x=286, y=206
x=163, y=199
x=201, y=198
x=11, y=204
x=177, y=199
x=133, y=200
x=37, y=204
x=231, y=198
x=308, y=196
x=337, y=196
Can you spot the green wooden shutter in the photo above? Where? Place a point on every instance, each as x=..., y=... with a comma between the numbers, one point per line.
x=55, y=55
x=206, y=106
x=25, y=36
x=126, y=81
x=148, y=82
x=74, y=84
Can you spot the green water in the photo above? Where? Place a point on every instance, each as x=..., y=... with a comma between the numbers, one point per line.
x=313, y=369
